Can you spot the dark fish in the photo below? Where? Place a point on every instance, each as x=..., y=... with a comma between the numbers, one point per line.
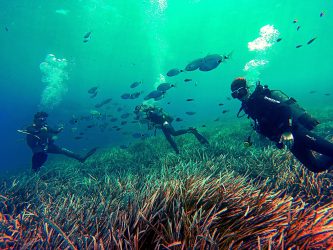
x=117, y=129
x=123, y=116
x=278, y=40
x=298, y=46
x=123, y=146
x=81, y=133
x=86, y=40
x=78, y=137
x=228, y=98
x=135, y=84
x=115, y=126
x=93, y=95
x=125, y=96
x=327, y=94
x=91, y=126
x=168, y=102
x=178, y=119
x=203, y=126
x=190, y=113
x=123, y=123
x=225, y=111
x=298, y=27
x=189, y=99
x=119, y=109
x=113, y=119
x=135, y=95
x=165, y=86
x=174, y=72
x=295, y=21
x=194, y=64
x=187, y=80
x=92, y=90
x=310, y=41
x=87, y=35
x=312, y=92
x=154, y=94
x=6, y=28
x=217, y=119
x=210, y=62
x=322, y=14
x=73, y=121
x=221, y=104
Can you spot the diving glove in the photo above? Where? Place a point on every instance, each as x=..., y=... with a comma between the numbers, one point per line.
x=287, y=139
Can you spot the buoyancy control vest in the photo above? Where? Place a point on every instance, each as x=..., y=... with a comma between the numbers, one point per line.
x=299, y=114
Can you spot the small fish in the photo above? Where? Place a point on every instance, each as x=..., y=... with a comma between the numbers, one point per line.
x=210, y=62
x=135, y=95
x=298, y=46
x=119, y=109
x=203, y=126
x=174, y=72
x=187, y=80
x=6, y=28
x=113, y=119
x=295, y=21
x=225, y=111
x=298, y=27
x=78, y=137
x=81, y=133
x=165, y=87
x=123, y=146
x=123, y=116
x=278, y=40
x=189, y=99
x=123, y=123
x=194, y=64
x=311, y=40
x=154, y=94
x=190, y=113
x=135, y=84
x=106, y=101
x=94, y=95
x=92, y=90
x=115, y=126
x=91, y=126
x=228, y=98
x=322, y=14
x=168, y=102
x=87, y=35
x=327, y=94
x=117, y=129
x=125, y=96
x=178, y=119
x=312, y=92
x=217, y=119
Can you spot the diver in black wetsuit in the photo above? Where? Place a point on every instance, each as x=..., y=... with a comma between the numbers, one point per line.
x=40, y=138
x=282, y=120
x=157, y=118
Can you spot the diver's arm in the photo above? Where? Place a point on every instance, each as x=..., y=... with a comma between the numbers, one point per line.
x=55, y=131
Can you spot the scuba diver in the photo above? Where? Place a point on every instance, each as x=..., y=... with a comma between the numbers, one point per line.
x=40, y=138
x=157, y=118
x=283, y=121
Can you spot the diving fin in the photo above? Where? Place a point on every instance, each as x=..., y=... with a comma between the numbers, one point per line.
x=200, y=138
x=90, y=153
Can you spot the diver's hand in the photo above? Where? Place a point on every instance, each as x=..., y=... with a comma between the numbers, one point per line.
x=287, y=139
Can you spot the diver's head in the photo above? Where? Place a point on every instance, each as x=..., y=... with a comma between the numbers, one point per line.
x=40, y=118
x=239, y=88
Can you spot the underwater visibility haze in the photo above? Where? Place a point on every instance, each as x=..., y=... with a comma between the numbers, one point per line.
x=89, y=63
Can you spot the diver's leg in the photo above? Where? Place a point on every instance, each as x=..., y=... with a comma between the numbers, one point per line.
x=305, y=141
x=173, y=132
x=54, y=149
x=38, y=159
x=170, y=139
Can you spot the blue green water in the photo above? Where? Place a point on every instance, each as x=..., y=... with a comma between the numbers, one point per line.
x=142, y=40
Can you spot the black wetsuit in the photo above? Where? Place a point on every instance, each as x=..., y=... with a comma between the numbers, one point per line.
x=40, y=140
x=272, y=118
x=163, y=121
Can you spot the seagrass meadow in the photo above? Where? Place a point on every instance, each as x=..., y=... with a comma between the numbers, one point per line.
x=223, y=196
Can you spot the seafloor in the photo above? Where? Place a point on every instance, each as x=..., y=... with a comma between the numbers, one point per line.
x=224, y=196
